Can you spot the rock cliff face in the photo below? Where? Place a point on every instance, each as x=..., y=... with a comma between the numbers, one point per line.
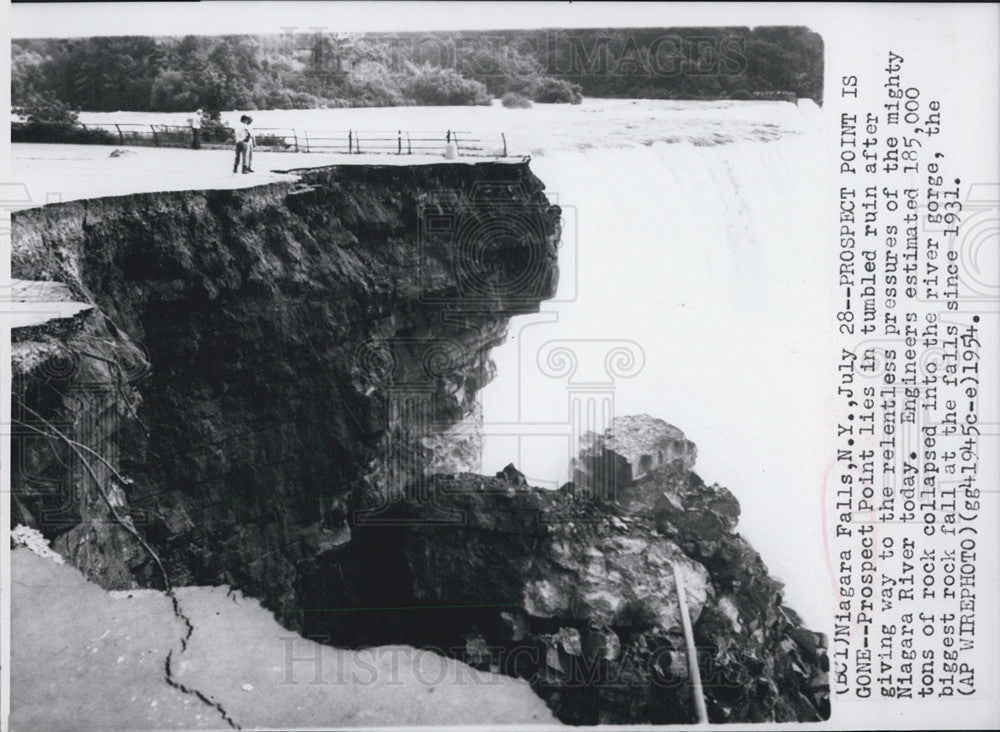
x=274, y=388
x=258, y=359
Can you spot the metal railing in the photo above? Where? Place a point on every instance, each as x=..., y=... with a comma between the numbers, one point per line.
x=270, y=139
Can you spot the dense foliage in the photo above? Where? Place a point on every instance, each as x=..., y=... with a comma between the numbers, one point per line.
x=36, y=109
x=515, y=100
x=50, y=120
x=325, y=70
x=437, y=85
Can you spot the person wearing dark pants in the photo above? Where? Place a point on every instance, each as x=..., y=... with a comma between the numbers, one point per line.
x=241, y=157
x=195, y=123
x=243, y=141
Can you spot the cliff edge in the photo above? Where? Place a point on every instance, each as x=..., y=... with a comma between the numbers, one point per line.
x=256, y=361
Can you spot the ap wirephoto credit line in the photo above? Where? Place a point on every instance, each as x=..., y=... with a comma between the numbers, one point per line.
x=477, y=365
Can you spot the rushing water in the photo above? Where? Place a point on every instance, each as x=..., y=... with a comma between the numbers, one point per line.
x=692, y=240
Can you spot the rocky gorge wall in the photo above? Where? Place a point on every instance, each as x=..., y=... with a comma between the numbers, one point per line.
x=275, y=388
x=258, y=362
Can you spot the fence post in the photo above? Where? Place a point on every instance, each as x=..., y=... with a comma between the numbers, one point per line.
x=350, y=142
x=306, y=134
x=399, y=142
x=121, y=138
x=296, y=135
x=409, y=145
x=156, y=140
x=504, y=138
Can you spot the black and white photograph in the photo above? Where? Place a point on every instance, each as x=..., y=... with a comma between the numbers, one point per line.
x=499, y=366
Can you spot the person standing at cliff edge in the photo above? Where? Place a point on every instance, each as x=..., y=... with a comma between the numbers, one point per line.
x=195, y=123
x=243, y=138
x=251, y=144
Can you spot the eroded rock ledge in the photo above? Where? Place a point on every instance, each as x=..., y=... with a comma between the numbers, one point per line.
x=253, y=356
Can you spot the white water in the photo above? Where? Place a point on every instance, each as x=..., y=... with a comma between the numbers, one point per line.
x=693, y=230
x=711, y=259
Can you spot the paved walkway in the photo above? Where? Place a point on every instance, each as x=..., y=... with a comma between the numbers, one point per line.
x=50, y=173
x=86, y=659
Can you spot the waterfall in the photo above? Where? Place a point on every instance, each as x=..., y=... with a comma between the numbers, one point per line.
x=705, y=259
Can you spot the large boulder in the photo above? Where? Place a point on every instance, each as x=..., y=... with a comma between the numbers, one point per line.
x=631, y=447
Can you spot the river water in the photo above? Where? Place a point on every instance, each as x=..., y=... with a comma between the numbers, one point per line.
x=693, y=246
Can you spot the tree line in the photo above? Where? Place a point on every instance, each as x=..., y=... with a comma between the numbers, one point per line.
x=322, y=69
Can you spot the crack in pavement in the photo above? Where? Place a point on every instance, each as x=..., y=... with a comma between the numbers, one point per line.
x=126, y=522
x=169, y=676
